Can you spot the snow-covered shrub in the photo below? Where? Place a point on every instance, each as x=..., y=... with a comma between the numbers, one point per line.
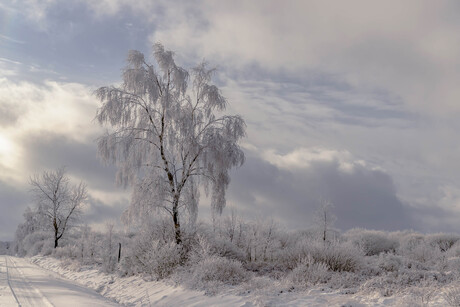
x=409, y=241
x=423, y=293
x=270, y=269
x=110, y=251
x=156, y=258
x=405, y=280
x=372, y=242
x=34, y=243
x=348, y=281
x=265, y=286
x=5, y=248
x=213, y=271
x=308, y=272
x=90, y=247
x=36, y=248
x=338, y=257
x=260, y=242
x=452, y=296
x=424, y=253
x=288, y=258
x=66, y=252
x=418, y=248
x=454, y=251
x=453, y=264
x=161, y=228
x=389, y=262
x=443, y=241
x=210, y=245
x=47, y=248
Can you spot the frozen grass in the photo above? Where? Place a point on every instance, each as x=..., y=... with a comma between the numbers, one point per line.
x=262, y=264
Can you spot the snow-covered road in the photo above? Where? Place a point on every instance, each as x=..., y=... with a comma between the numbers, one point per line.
x=25, y=284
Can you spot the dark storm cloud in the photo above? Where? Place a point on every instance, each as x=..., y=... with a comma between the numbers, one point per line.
x=50, y=151
x=98, y=211
x=362, y=197
x=435, y=218
x=13, y=201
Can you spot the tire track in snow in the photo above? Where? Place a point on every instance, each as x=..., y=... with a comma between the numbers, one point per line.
x=8, y=281
x=25, y=294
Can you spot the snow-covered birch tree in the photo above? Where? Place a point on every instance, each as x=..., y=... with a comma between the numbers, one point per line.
x=167, y=138
x=58, y=202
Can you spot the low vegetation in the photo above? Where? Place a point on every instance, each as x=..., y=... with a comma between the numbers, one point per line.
x=234, y=252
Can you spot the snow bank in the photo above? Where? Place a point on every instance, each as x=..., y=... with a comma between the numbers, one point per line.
x=135, y=291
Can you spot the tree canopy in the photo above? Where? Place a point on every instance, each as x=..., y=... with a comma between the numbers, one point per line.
x=167, y=138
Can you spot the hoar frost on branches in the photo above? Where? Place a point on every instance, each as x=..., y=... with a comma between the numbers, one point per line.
x=58, y=201
x=167, y=139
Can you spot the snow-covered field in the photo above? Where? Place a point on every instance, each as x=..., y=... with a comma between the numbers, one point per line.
x=134, y=291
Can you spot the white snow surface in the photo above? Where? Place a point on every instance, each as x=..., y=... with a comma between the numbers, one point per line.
x=46, y=281
x=25, y=284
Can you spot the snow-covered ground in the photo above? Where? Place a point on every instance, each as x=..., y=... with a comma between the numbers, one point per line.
x=25, y=284
x=134, y=291
x=46, y=281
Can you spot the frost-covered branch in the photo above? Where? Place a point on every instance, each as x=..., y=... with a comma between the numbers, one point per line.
x=162, y=138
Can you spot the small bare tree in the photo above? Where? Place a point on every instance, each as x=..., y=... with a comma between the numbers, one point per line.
x=166, y=138
x=324, y=219
x=57, y=200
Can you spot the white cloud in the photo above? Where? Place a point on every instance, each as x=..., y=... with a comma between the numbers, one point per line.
x=303, y=158
x=56, y=108
x=307, y=76
x=291, y=186
x=407, y=48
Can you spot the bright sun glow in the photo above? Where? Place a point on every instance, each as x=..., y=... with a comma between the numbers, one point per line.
x=7, y=151
x=6, y=145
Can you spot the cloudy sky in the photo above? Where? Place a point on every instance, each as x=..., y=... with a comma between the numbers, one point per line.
x=354, y=101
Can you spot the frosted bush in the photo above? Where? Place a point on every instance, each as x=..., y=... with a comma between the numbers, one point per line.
x=223, y=248
x=452, y=296
x=389, y=262
x=372, y=242
x=418, y=248
x=346, y=280
x=443, y=241
x=34, y=243
x=270, y=269
x=453, y=263
x=36, y=248
x=308, y=272
x=424, y=253
x=90, y=248
x=66, y=252
x=47, y=248
x=454, y=251
x=263, y=284
x=337, y=256
x=158, y=259
x=213, y=271
x=424, y=292
x=410, y=241
x=288, y=258
x=405, y=280
x=109, y=250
